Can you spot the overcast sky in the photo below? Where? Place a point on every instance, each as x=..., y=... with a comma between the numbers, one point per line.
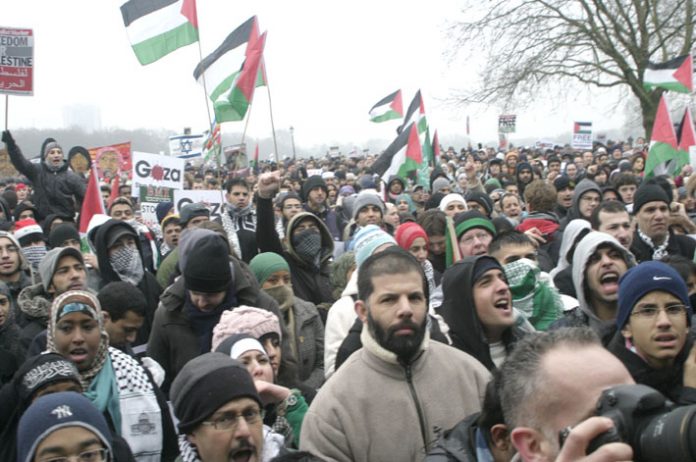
x=328, y=63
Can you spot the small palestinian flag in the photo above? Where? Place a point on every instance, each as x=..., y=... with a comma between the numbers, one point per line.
x=232, y=72
x=582, y=127
x=663, y=155
x=388, y=108
x=403, y=155
x=157, y=27
x=673, y=75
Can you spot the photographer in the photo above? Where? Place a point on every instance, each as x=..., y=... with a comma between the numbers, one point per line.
x=653, y=339
x=552, y=381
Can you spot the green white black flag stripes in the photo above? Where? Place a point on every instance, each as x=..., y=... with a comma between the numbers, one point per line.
x=388, y=108
x=155, y=28
x=402, y=156
x=232, y=71
x=673, y=75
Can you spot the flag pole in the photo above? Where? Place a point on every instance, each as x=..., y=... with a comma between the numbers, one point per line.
x=200, y=56
x=7, y=105
x=246, y=123
x=270, y=108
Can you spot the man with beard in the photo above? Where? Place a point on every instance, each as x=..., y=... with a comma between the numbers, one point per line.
x=239, y=219
x=612, y=218
x=355, y=415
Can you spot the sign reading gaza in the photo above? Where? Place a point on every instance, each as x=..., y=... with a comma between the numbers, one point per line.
x=156, y=170
x=211, y=198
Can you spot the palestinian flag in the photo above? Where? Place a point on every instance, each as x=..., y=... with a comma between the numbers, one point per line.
x=403, y=155
x=155, y=28
x=673, y=75
x=232, y=92
x=687, y=139
x=388, y=108
x=584, y=128
x=91, y=205
x=436, y=146
x=415, y=114
x=663, y=143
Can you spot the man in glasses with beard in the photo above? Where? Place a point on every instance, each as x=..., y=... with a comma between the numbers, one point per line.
x=390, y=399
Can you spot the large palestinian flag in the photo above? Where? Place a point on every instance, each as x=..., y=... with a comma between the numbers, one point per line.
x=403, y=155
x=157, y=27
x=232, y=71
x=663, y=156
x=388, y=108
x=673, y=75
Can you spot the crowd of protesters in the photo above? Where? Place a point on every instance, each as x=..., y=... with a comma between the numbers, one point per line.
x=327, y=313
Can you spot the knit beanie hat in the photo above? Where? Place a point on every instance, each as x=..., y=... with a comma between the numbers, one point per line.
x=563, y=182
x=648, y=193
x=51, y=145
x=265, y=264
x=23, y=207
x=53, y=412
x=189, y=211
x=26, y=230
x=465, y=221
x=42, y=370
x=484, y=264
x=647, y=277
x=207, y=266
x=409, y=232
x=346, y=190
x=314, y=181
x=367, y=240
x=256, y=322
x=482, y=199
x=47, y=265
x=364, y=199
x=523, y=166
x=62, y=233
x=162, y=210
x=236, y=345
x=206, y=383
x=492, y=184
x=280, y=202
x=439, y=184
x=452, y=197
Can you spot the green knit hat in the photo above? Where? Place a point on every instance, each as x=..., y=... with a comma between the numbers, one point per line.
x=267, y=263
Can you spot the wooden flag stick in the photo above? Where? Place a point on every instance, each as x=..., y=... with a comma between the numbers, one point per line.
x=7, y=106
x=270, y=108
x=456, y=254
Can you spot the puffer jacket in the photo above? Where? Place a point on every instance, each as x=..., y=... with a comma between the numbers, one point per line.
x=58, y=192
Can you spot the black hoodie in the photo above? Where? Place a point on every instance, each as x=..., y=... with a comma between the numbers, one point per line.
x=459, y=312
x=148, y=285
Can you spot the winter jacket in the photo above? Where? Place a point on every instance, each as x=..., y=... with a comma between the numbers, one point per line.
x=330, y=219
x=668, y=381
x=148, y=285
x=457, y=444
x=34, y=304
x=172, y=340
x=376, y=408
x=308, y=282
x=338, y=322
x=678, y=245
x=459, y=312
x=240, y=227
x=54, y=192
x=309, y=343
x=584, y=314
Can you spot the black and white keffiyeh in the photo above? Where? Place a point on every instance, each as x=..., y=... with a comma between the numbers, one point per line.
x=127, y=264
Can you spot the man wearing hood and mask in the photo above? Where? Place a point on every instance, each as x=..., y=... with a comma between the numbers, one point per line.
x=119, y=253
x=122, y=209
x=598, y=263
x=586, y=198
x=239, y=219
x=308, y=246
x=56, y=189
x=31, y=238
x=301, y=318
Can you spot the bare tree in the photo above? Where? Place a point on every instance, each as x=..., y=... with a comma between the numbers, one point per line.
x=530, y=45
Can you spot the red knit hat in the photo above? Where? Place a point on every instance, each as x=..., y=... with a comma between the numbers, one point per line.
x=409, y=232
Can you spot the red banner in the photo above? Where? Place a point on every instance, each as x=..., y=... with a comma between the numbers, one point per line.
x=16, y=61
x=112, y=159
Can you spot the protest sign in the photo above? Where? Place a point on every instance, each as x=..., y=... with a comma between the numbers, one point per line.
x=112, y=159
x=507, y=123
x=150, y=196
x=212, y=198
x=582, y=135
x=16, y=61
x=157, y=170
x=186, y=146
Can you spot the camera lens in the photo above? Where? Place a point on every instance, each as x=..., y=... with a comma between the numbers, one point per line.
x=669, y=436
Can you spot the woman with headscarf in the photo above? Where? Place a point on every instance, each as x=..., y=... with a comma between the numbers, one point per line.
x=113, y=381
x=12, y=352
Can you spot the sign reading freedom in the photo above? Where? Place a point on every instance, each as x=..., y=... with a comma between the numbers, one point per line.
x=16, y=61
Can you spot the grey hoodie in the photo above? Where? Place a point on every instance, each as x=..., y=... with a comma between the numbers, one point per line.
x=587, y=246
x=581, y=188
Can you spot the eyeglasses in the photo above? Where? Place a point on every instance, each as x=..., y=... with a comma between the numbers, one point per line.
x=229, y=420
x=292, y=206
x=93, y=455
x=482, y=237
x=651, y=311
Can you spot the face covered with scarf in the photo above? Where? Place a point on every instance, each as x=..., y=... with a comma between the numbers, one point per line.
x=306, y=240
x=125, y=259
x=34, y=253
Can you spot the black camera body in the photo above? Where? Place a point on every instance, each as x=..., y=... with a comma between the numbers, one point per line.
x=653, y=426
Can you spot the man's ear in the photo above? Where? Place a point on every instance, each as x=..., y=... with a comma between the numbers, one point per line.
x=361, y=310
x=106, y=317
x=500, y=437
x=626, y=331
x=528, y=443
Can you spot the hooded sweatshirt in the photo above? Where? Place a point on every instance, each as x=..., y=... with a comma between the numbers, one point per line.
x=581, y=188
x=459, y=312
x=585, y=314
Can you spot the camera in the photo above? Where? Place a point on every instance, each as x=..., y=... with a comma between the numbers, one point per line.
x=653, y=426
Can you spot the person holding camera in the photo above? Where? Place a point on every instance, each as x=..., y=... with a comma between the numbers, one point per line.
x=653, y=339
x=550, y=385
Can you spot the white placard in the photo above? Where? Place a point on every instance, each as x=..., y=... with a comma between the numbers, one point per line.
x=157, y=170
x=212, y=198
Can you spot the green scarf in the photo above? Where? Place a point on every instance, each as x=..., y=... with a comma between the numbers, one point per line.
x=103, y=393
x=538, y=301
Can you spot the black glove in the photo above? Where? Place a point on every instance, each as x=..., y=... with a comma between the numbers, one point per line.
x=7, y=137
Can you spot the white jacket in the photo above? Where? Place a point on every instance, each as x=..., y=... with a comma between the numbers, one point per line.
x=340, y=319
